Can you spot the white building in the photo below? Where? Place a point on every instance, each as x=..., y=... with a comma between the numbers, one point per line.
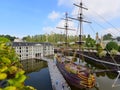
x=29, y=50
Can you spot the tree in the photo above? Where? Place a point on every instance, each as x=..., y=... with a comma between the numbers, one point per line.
x=107, y=36
x=11, y=73
x=11, y=38
x=89, y=42
x=112, y=45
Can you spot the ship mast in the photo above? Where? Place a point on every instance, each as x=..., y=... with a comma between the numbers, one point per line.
x=66, y=28
x=80, y=19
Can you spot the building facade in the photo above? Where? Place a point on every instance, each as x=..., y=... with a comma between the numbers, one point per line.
x=29, y=50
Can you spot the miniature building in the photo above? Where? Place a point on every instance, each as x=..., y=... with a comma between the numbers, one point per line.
x=29, y=50
x=99, y=41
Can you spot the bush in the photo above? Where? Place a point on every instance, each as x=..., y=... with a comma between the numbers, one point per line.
x=113, y=52
x=99, y=49
x=112, y=45
x=102, y=54
x=11, y=73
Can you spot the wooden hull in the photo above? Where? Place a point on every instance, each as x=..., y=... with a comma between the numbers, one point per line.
x=72, y=79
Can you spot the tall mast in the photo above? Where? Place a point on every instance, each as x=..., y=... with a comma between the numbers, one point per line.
x=66, y=28
x=80, y=19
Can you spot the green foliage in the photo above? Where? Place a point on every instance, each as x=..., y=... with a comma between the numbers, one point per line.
x=4, y=40
x=102, y=54
x=11, y=38
x=53, y=38
x=99, y=48
x=10, y=69
x=73, y=71
x=89, y=42
x=74, y=59
x=113, y=52
x=107, y=37
x=112, y=45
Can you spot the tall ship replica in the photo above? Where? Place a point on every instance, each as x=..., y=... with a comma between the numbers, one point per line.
x=76, y=75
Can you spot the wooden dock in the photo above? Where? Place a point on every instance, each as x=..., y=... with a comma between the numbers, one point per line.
x=57, y=80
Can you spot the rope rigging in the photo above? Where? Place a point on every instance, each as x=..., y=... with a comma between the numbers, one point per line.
x=118, y=68
x=103, y=19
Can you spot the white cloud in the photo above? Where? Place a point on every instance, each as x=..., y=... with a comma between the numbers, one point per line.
x=53, y=15
x=48, y=29
x=71, y=25
x=61, y=24
x=107, y=8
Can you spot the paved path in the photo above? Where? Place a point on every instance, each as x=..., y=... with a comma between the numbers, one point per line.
x=58, y=82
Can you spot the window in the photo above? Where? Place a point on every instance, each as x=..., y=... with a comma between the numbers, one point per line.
x=26, y=47
x=26, y=50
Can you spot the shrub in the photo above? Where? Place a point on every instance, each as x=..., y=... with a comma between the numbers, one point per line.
x=99, y=49
x=102, y=54
x=113, y=52
x=111, y=45
x=11, y=73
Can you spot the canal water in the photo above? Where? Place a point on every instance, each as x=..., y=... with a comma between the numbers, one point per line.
x=38, y=74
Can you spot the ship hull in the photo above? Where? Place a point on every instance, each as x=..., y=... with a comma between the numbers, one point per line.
x=72, y=79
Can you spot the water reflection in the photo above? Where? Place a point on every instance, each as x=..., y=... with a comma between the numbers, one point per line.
x=38, y=74
x=33, y=65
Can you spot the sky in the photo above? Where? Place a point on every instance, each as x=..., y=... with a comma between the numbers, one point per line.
x=33, y=17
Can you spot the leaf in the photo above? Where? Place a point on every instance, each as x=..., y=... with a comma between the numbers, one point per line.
x=13, y=69
x=3, y=69
x=11, y=81
x=10, y=88
x=21, y=72
x=29, y=88
x=3, y=76
x=21, y=79
x=6, y=60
